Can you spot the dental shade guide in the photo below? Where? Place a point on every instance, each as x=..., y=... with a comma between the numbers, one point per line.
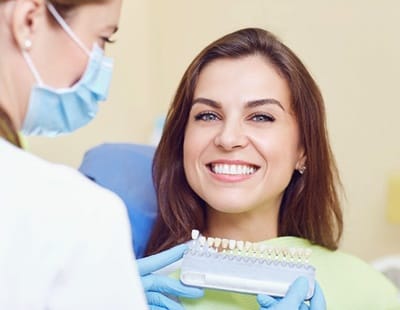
x=244, y=267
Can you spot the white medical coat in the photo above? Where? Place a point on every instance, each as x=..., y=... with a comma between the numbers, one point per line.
x=64, y=241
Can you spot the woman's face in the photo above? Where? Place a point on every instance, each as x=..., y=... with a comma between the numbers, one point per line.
x=91, y=23
x=59, y=60
x=241, y=143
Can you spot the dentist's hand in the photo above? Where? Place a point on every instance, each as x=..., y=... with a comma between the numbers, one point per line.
x=156, y=287
x=294, y=299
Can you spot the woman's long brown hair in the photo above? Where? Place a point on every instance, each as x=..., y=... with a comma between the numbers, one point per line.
x=310, y=206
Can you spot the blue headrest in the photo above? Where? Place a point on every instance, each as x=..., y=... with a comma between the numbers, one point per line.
x=126, y=170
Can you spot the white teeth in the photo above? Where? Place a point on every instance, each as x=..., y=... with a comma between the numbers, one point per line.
x=225, y=168
x=233, y=169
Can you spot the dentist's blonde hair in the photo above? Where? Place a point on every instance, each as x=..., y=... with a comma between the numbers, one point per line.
x=310, y=206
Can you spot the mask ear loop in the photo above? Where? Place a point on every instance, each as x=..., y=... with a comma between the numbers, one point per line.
x=32, y=67
x=66, y=28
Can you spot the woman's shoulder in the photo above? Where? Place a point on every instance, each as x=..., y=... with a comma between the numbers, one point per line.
x=350, y=280
x=343, y=263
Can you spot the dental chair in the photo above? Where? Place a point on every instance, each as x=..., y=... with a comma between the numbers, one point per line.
x=390, y=267
x=125, y=169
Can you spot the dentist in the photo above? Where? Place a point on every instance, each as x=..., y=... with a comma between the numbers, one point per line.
x=64, y=241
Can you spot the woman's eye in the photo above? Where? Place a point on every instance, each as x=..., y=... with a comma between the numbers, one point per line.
x=108, y=40
x=206, y=116
x=262, y=118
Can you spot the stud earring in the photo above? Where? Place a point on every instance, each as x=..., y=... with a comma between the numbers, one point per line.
x=302, y=169
x=27, y=44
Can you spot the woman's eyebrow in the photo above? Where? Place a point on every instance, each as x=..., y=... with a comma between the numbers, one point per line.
x=112, y=28
x=208, y=102
x=260, y=102
x=249, y=104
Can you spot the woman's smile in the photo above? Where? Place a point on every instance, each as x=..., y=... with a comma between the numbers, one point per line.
x=231, y=171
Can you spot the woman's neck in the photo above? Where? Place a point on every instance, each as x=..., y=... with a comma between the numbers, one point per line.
x=9, y=102
x=13, y=71
x=255, y=225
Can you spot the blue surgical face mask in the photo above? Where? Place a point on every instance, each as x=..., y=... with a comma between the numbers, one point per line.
x=52, y=111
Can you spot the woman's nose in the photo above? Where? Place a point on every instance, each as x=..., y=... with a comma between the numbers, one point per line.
x=231, y=136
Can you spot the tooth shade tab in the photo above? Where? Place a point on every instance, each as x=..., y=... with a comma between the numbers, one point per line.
x=217, y=242
x=232, y=244
x=240, y=245
x=202, y=240
x=255, y=247
x=247, y=246
x=233, y=169
x=210, y=241
x=225, y=243
x=195, y=234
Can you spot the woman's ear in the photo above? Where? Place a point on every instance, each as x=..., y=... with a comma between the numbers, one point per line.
x=301, y=163
x=25, y=18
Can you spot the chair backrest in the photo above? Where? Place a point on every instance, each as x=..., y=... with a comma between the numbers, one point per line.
x=390, y=267
x=125, y=169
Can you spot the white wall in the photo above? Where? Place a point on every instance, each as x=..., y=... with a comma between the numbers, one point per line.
x=351, y=47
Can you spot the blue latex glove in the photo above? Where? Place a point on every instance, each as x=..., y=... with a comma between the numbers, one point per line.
x=156, y=287
x=294, y=299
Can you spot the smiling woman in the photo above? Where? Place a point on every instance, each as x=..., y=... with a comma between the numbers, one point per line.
x=250, y=66
x=245, y=155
